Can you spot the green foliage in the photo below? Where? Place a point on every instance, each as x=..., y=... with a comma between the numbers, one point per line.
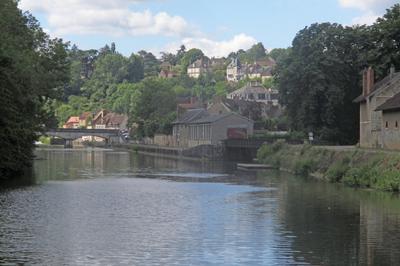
x=44, y=140
x=317, y=83
x=338, y=170
x=154, y=107
x=33, y=69
x=151, y=65
x=304, y=167
x=385, y=42
x=279, y=54
x=256, y=52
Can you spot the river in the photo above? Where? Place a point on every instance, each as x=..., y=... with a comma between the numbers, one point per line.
x=105, y=207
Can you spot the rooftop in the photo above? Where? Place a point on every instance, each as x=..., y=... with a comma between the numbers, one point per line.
x=391, y=104
x=190, y=115
x=388, y=80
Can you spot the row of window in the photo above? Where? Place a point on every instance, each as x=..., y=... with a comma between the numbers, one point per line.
x=396, y=124
x=200, y=132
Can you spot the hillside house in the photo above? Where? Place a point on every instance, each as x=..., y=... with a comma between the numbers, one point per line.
x=85, y=120
x=167, y=71
x=198, y=68
x=250, y=109
x=234, y=71
x=255, y=92
x=107, y=120
x=72, y=122
x=379, y=112
x=261, y=69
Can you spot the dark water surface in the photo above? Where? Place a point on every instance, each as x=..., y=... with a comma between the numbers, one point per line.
x=104, y=207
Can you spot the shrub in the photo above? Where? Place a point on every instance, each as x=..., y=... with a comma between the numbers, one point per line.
x=269, y=149
x=337, y=170
x=304, y=167
x=388, y=180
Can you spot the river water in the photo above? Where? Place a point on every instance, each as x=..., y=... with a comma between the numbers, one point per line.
x=105, y=207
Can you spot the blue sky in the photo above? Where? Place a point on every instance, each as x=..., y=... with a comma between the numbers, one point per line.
x=217, y=27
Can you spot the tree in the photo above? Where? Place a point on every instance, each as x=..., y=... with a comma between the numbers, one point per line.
x=135, y=69
x=33, y=69
x=319, y=79
x=154, y=106
x=256, y=52
x=279, y=54
x=109, y=70
x=385, y=36
x=151, y=64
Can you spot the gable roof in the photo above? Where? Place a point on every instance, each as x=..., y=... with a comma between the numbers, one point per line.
x=391, y=104
x=211, y=118
x=190, y=115
x=85, y=115
x=387, y=81
x=72, y=120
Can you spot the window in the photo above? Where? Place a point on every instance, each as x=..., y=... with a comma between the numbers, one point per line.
x=387, y=124
x=251, y=96
x=397, y=124
x=261, y=96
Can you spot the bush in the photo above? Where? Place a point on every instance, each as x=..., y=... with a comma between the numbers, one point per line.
x=388, y=180
x=304, y=167
x=269, y=149
x=365, y=176
x=338, y=170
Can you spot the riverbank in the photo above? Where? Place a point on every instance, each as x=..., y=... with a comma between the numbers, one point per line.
x=351, y=166
x=203, y=152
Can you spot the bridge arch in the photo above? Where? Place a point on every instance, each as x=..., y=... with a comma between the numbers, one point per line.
x=68, y=134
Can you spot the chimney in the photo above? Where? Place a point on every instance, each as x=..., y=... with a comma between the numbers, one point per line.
x=392, y=71
x=364, y=82
x=368, y=81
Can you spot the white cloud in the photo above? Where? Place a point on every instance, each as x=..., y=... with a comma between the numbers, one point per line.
x=368, y=5
x=371, y=9
x=368, y=18
x=110, y=17
x=214, y=48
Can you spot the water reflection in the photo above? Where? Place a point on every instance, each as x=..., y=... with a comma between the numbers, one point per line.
x=104, y=207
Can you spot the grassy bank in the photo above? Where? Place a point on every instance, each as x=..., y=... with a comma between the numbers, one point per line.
x=354, y=167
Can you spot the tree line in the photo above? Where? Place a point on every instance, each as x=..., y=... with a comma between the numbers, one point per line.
x=43, y=81
x=320, y=75
x=33, y=70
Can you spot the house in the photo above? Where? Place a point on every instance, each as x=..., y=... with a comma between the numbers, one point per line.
x=254, y=91
x=84, y=120
x=198, y=68
x=167, y=74
x=261, y=69
x=167, y=71
x=390, y=123
x=72, y=122
x=252, y=110
x=107, y=120
x=199, y=127
x=379, y=116
x=234, y=71
x=217, y=62
x=212, y=129
x=180, y=127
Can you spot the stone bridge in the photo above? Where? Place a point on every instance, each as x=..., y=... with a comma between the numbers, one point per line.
x=111, y=136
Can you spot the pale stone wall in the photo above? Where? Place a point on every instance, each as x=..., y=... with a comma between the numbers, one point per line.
x=164, y=140
x=371, y=129
x=220, y=128
x=391, y=130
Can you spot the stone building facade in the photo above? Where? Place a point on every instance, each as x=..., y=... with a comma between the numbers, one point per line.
x=377, y=113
